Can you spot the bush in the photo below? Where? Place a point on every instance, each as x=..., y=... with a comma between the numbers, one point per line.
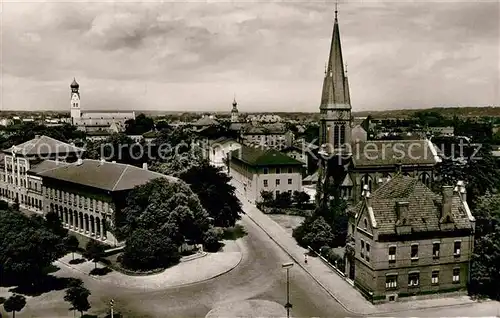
x=211, y=240
x=100, y=271
x=315, y=233
x=147, y=250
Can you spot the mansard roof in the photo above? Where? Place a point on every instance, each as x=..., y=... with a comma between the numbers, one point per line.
x=424, y=206
x=107, y=176
x=393, y=152
x=44, y=146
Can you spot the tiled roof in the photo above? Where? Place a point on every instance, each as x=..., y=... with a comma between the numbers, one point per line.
x=103, y=175
x=42, y=146
x=263, y=157
x=424, y=206
x=392, y=152
x=46, y=165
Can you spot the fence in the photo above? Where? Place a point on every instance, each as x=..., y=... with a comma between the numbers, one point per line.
x=324, y=260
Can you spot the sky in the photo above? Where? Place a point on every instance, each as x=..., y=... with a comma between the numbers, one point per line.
x=196, y=55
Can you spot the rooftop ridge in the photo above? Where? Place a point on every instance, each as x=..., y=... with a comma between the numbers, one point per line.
x=119, y=178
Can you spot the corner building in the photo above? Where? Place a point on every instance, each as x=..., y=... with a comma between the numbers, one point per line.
x=409, y=241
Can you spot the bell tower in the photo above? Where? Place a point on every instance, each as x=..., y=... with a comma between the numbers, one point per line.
x=234, y=111
x=75, y=109
x=335, y=107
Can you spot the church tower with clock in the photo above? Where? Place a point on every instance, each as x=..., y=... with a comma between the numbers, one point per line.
x=335, y=109
x=75, y=103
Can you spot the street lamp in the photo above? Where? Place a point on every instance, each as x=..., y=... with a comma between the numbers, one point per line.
x=288, y=306
x=111, y=304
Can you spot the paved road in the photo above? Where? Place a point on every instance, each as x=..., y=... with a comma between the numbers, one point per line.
x=259, y=276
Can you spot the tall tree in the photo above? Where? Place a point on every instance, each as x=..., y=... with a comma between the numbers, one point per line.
x=215, y=192
x=78, y=296
x=94, y=251
x=71, y=243
x=147, y=250
x=26, y=248
x=14, y=303
x=53, y=223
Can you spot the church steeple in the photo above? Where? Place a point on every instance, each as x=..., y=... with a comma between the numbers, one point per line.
x=335, y=107
x=335, y=92
x=234, y=111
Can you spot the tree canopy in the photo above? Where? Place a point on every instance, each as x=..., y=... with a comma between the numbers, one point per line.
x=169, y=210
x=14, y=303
x=26, y=248
x=485, y=269
x=215, y=192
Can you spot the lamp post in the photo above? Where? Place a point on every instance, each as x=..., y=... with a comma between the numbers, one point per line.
x=111, y=303
x=288, y=306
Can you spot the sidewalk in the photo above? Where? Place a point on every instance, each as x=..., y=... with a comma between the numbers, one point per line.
x=185, y=273
x=343, y=292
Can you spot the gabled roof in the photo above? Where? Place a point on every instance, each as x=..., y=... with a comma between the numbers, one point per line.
x=392, y=152
x=103, y=175
x=424, y=206
x=263, y=157
x=44, y=146
x=312, y=178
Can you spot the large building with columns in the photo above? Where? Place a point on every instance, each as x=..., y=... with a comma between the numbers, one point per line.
x=46, y=175
x=20, y=164
x=87, y=193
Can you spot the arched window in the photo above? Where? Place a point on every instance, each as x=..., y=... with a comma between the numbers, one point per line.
x=342, y=134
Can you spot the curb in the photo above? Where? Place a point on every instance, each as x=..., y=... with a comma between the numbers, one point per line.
x=195, y=256
x=166, y=287
x=299, y=263
x=213, y=277
x=306, y=270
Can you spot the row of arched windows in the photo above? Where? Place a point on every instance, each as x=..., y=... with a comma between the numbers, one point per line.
x=80, y=222
x=76, y=200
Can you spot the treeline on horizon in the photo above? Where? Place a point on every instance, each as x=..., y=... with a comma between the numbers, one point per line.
x=489, y=111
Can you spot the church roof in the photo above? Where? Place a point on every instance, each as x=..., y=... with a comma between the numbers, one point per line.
x=43, y=146
x=103, y=175
x=393, y=152
x=335, y=84
x=263, y=157
x=424, y=206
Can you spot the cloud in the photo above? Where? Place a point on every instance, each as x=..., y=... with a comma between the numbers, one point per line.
x=194, y=56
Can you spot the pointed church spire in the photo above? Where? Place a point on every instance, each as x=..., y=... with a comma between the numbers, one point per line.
x=334, y=92
x=335, y=108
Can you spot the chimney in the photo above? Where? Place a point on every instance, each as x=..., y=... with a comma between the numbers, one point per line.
x=447, y=203
x=402, y=212
x=461, y=190
x=145, y=166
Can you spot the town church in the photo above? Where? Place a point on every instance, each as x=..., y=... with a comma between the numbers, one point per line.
x=350, y=164
x=95, y=121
